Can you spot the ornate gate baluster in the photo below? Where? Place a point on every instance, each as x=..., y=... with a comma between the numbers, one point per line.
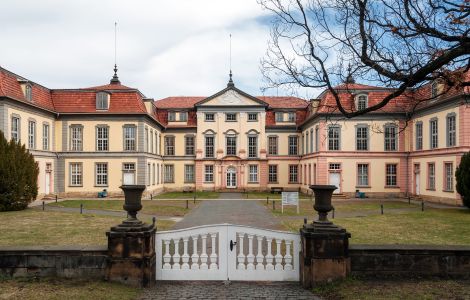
x=259, y=255
x=269, y=256
x=204, y=254
x=288, y=258
x=185, y=257
x=167, y=256
x=213, y=253
x=250, y=258
x=241, y=255
x=176, y=256
x=195, y=256
x=278, y=265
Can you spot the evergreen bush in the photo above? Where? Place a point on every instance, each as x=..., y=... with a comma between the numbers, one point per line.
x=462, y=175
x=18, y=175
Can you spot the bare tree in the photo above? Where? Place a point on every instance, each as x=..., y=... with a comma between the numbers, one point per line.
x=398, y=44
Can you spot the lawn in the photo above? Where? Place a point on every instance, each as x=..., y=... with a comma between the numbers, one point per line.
x=264, y=195
x=173, y=208
x=55, y=288
x=413, y=289
x=32, y=227
x=433, y=226
x=181, y=195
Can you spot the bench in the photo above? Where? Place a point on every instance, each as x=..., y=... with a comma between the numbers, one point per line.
x=277, y=190
x=103, y=194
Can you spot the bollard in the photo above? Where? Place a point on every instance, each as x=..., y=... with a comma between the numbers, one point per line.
x=305, y=220
x=81, y=208
x=151, y=197
x=154, y=220
x=274, y=204
x=187, y=203
x=267, y=200
x=194, y=199
x=409, y=200
x=422, y=205
x=333, y=213
x=382, y=209
x=55, y=198
x=43, y=206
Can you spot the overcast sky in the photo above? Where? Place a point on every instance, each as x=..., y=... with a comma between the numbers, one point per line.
x=165, y=48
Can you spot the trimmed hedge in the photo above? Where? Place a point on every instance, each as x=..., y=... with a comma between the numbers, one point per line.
x=462, y=175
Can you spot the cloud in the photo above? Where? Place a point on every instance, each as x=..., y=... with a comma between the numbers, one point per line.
x=165, y=48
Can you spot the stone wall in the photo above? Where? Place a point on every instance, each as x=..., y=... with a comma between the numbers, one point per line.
x=410, y=260
x=69, y=262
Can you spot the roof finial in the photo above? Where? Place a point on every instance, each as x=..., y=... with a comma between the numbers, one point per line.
x=230, y=81
x=115, y=79
x=349, y=78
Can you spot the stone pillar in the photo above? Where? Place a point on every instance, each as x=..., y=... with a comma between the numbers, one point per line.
x=324, y=255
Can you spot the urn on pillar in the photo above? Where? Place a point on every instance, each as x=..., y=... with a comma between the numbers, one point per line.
x=131, y=244
x=324, y=255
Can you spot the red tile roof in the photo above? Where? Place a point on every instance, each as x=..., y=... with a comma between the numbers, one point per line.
x=284, y=102
x=178, y=102
x=111, y=86
x=189, y=102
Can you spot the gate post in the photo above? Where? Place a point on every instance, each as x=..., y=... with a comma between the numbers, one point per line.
x=324, y=254
x=131, y=245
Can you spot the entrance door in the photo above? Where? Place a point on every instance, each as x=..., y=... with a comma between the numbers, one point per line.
x=335, y=179
x=227, y=252
x=417, y=180
x=47, y=190
x=231, y=178
x=128, y=178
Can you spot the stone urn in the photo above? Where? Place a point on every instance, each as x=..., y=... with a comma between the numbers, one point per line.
x=323, y=194
x=132, y=204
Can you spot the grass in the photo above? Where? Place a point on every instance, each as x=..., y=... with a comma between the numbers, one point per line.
x=33, y=227
x=181, y=195
x=263, y=195
x=433, y=226
x=173, y=208
x=55, y=288
x=414, y=289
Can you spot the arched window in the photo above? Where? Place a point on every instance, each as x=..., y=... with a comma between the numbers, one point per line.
x=28, y=92
x=434, y=89
x=102, y=101
x=361, y=102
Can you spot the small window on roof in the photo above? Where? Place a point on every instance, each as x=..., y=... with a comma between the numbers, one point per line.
x=102, y=101
x=171, y=116
x=361, y=103
x=434, y=89
x=28, y=92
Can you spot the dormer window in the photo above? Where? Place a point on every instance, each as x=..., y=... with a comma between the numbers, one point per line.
x=434, y=89
x=291, y=117
x=28, y=92
x=279, y=117
x=361, y=102
x=183, y=116
x=171, y=116
x=102, y=100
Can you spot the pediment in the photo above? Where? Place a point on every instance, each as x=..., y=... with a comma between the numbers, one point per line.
x=231, y=97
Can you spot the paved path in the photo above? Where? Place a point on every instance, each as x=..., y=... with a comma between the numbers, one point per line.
x=220, y=290
x=240, y=212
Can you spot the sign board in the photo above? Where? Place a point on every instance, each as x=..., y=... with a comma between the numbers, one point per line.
x=290, y=198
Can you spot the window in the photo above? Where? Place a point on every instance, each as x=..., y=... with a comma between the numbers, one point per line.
x=317, y=139
x=28, y=92
x=363, y=175
x=183, y=116
x=102, y=135
x=252, y=117
x=253, y=173
x=15, y=129
x=231, y=145
x=169, y=174
x=210, y=117
x=128, y=170
x=169, y=145
x=153, y=174
x=76, y=175
x=189, y=145
x=158, y=173
x=101, y=178
x=272, y=173
x=252, y=146
x=431, y=176
x=209, y=173
x=311, y=140
x=433, y=133
x=334, y=166
x=291, y=117
x=279, y=116
x=391, y=175
x=171, y=116
x=129, y=138
x=209, y=146
x=76, y=138
x=157, y=151
x=293, y=145
x=306, y=143
x=293, y=173
x=419, y=135
x=362, y=138
x=361, y=102
x=390, y=137
x=102, y=100
x=151, y=141
x=146, y=140
x=45, y=136
x=272, y=145
x=188, y=173
x=434, y=89
x=449, y=177
x=32, y=135
x=149, y=174
x=451, y=132
x=333, y=138
x=230, y=117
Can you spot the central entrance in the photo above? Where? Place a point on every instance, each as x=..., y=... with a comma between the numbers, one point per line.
x=231, y=178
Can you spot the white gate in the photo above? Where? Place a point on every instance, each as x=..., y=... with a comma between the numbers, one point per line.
x=227, y=252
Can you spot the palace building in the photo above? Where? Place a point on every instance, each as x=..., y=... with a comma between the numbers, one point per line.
x=89, y=139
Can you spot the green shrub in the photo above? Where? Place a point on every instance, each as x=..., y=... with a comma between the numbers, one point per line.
x=462, y=175
x=18, y=176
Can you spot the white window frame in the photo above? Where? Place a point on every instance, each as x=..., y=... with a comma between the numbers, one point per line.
x=102, y=138
x=130, y=137
x=169, y=145
x=209, y=117
x=171, y=116
x=189, y=144
x=31, y=134
x=209, y=150
x=230, y=145
x=76, y=138
x=76, y=174
x=101, y=174
x=169, y=173
x=230, y=117
x=252, y=117
x=209, y=173
x=451, y=130
x=362, y=138
x=45, y=136
x=272, y=174
x=334, y=138
x=293, y=174
x=189, y=176
x=293, y=145
x=252, y=173
x=419, y=136
x=449, y=176
x=15, y=128
x=390, y=137
x=391, y=178
x=102, y=99
x=361, y=102
x=362, y=174
x=433, y=133
x=273, y=148
x=252, y=146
